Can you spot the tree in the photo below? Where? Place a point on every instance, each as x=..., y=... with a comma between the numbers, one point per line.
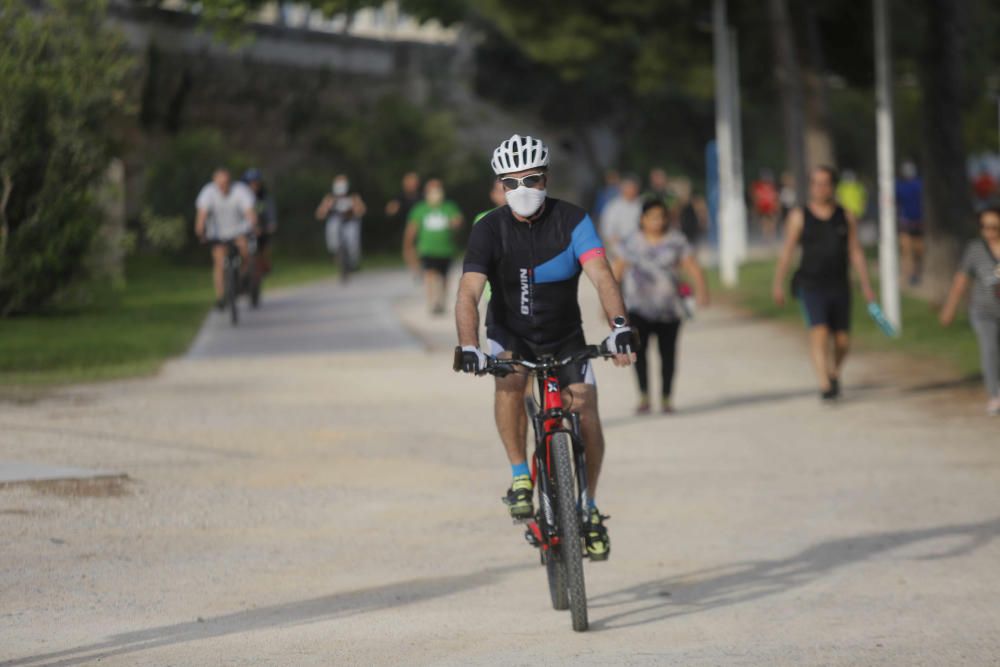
x=62, y=77
x=949, y=212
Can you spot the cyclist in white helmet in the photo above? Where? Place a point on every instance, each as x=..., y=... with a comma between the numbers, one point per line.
x=532, y=252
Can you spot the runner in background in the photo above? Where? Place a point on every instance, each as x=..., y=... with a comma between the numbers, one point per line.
x=660, y=188
x=766, y=205
x=649, y=268
x=407, y=198
x=497, y=198
x=692, y=212
x=429, y=242
x=852, y=195
x=610, y=190
x=786, y=195
x=621, y=216
x=984, y=187
x=342, y=210
x=910, y=209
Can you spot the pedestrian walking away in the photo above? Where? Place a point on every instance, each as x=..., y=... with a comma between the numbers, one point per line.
x=980, y=269
x=910, y=211
x=429, y=242
x=828, y=235
x=342, y=211
x=652, y=260
x=766, y=204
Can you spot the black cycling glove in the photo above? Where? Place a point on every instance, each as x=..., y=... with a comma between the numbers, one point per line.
x=621, y=341
x=469, y=359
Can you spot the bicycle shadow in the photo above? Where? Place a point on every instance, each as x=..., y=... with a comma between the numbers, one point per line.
x=324, y=608
x=702, y=590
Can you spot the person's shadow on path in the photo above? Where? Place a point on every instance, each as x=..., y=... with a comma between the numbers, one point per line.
x=324, y=608
x=701, y=590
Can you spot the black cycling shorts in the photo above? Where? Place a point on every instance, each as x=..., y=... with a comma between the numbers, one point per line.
x=439, y=265
x=500, y=340
x=830, y=307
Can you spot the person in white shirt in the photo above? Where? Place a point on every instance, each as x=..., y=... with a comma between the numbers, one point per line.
x=620, y=217
x=225, y=215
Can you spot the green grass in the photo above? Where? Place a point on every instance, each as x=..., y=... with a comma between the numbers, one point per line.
x=131, y=332
x=922, y=335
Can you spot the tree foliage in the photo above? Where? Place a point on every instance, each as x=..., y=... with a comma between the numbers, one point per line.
x=62, y=76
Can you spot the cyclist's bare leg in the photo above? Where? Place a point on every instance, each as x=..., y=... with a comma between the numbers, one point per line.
x=819, y=343
x=512, y=421
x=218, y=262
x=244, y=247
x=582, y=398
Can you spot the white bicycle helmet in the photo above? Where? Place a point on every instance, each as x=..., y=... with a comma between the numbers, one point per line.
x=519, y=153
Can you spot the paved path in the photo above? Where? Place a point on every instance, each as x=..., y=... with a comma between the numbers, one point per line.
x=339, y=505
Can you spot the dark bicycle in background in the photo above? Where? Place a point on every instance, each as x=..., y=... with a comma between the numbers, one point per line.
x=559, y=474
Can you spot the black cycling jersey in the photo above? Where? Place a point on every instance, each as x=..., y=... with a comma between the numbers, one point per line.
x=533, y=269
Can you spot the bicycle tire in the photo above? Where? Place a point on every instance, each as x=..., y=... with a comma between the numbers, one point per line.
x=570, y=546
x=232, y=289
x=555, y=568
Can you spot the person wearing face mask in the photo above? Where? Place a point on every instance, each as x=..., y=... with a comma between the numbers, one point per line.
x=532, y=251
x=342, y=210
x=429, y=242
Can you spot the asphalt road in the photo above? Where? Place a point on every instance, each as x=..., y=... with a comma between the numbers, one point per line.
x=317, y=487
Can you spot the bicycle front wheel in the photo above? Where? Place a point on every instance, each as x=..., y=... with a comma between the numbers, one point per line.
x=570, y=545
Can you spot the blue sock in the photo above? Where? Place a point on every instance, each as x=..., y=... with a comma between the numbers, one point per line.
x=520, y=469
x=591, y=503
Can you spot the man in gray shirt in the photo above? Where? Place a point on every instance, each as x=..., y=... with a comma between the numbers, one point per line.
x=620, y=218
x=225, y=214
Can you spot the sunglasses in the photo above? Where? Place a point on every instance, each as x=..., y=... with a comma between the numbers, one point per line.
x=529, y=181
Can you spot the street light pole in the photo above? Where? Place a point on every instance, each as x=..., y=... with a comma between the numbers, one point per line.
x=888, y=253
x=738, y=196
x=728, y=249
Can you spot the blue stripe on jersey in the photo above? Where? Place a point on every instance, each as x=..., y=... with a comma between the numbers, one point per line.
x=566, y=264
x=585, y=237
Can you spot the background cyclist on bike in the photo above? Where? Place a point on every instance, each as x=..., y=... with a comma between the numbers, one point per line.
x=225, y=213
x=532, y=251
x=267, y=219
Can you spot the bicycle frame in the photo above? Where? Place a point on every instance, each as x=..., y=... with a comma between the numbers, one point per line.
x=547, y=422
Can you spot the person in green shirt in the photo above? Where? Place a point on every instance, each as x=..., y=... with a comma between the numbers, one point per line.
x=429, y=242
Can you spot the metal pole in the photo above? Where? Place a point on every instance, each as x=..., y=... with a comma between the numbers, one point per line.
x=738, y=193
x=888, y=252
x=728, y=267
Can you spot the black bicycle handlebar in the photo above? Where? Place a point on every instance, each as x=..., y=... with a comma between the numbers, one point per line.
x=501, y=367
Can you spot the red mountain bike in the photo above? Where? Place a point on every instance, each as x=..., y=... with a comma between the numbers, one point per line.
x=559, y=473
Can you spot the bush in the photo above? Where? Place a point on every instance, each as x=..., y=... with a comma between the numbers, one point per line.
x=62, y=77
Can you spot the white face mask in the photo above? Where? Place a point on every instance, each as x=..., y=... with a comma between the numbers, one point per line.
x=435, y=197
x=340, y=188
x=525, y=201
